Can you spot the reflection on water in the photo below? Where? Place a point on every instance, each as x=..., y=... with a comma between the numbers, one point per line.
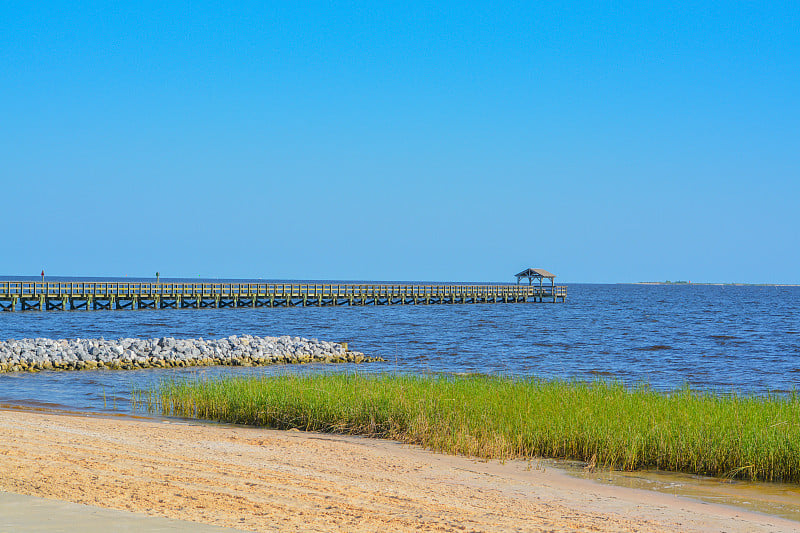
x=779, y=499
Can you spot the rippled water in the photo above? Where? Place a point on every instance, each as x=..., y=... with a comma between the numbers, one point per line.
x=724, y=338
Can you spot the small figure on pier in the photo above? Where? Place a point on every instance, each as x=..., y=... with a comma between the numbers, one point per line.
x=158, y=277
x=42, y=275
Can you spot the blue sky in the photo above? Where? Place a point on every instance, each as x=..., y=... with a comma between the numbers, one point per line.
x=606, y=142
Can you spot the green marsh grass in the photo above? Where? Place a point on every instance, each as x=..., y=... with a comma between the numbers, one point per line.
x=748, y=437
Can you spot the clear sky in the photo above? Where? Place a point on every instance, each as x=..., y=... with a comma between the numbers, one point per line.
x=603, y=141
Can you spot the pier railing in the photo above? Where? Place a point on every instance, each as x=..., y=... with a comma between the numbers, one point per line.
x=49, y=295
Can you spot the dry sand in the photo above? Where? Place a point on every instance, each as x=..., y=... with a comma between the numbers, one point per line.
x=265, y=480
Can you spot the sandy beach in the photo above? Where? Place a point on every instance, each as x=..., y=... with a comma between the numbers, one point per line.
x=263, y=480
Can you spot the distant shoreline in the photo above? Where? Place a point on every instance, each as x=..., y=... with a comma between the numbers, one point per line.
x=717, y=284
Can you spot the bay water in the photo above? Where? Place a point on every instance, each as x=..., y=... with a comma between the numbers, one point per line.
x=721, y=338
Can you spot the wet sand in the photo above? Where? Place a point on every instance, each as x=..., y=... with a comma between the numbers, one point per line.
x=264, y=480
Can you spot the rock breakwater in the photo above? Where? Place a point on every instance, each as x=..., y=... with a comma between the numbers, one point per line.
x=31, y=355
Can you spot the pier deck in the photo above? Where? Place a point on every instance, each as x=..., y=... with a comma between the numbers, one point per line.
x=62, y=296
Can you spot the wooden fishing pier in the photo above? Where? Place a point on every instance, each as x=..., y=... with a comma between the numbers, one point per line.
x=69, y=295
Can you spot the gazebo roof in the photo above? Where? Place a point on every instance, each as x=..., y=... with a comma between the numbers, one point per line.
x=535, y=273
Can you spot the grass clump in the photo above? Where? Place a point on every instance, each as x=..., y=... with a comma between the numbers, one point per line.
x=747, y=437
